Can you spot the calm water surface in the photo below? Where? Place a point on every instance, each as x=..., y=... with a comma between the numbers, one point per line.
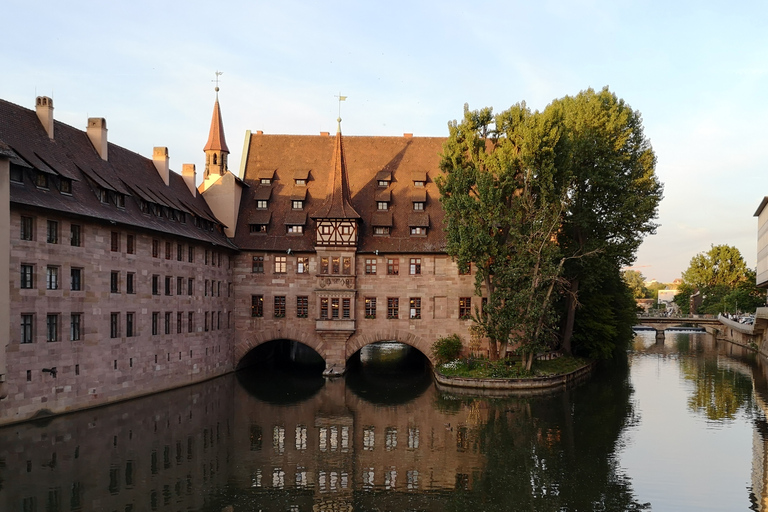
x=678, y=426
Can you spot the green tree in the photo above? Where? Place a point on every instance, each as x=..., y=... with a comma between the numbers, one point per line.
x=724, y=281
x=502, y=215
x=613, y=190
x=635, y=281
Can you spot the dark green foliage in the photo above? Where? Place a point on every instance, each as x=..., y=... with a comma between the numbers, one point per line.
x=447, y=348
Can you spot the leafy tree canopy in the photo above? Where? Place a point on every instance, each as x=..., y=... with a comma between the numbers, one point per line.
x=635, y=281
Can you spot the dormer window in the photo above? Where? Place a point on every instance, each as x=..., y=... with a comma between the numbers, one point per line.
x=418, y=205
x=261, y=204
x=297, y=205
x=143, y=206
x=381, y=230
x=419, y=178
x=417, y=230
x=295, y=230
x=300, y=183
x=257, y=228
x=103, y=195
x=383, y=178
x=66, y=186
x=119, y=200
x=382, y=183
x=418, y=183
x=382, y=205
x=41, y=180
x=266, y=181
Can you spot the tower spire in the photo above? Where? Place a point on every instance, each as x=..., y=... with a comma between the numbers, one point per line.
x=216, y=149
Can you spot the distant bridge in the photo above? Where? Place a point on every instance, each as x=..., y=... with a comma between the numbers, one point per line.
x=662, y=323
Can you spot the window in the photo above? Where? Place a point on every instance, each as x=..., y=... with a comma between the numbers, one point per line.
x=167, y=322
x=280, y=264
x=167, y=250
x=297, y=205
x=393, y=307
x=155, y=248
x=52, y=232
x=415, y=266
x=300, y=182
x=155, y=319
x=465, y=270
x=179, y=285
x=257, y=228
x=207, y=256
x=155, y=285
x=415, y=308
x=302, y=265
x=191, y=321
x=129, y=324
x=381, y=230
x=41, y=180
x=205, y=322
x=346, y=266
x=17, y=175
x=261, y=204
x=266, y=181
x=66, y=185
x=27, y=320
x=257, y=266
x=115, y=242
x=114, y=282
x=75, y=279
x=114, y=325
x=27, y=228
x=295, y=230
x=393, y=266
x=74, y=235
x=345, y=308
x=168, y=285
x=119, y=200
x=178, y=322
x=205, y=288
x=335, y=264
x=335, y=309
x=280, y=306
x=324, y=265
x=382, y=205
x=418, y=230
x=370, y=307
x=52, y=278
x=130, y=244
x=324, y=308
x=418, y=205
x=179, y=252
x=75, y=323
x=52, y=328
x=418, y=184
x=382, y=183
x=370, y=266
x=191, y=254
x=465, y=307
x=27, y=274
x=190, y=286
x=302, y=307
x=257, y=306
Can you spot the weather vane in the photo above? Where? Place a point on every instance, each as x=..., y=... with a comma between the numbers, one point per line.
x=341, y=98
x=218, y=74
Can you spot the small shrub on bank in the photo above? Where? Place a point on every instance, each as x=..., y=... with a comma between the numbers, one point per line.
x=447, y=348
x=508, y=369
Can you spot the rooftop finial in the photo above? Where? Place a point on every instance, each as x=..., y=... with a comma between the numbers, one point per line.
x=338, y=120
x=218, y=74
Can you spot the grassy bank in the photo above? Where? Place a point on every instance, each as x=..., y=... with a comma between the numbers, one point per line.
x=510, y=369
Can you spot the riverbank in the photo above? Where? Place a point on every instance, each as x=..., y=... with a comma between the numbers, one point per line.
x=541, y=383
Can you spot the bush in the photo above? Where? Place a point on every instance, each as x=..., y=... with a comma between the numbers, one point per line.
x=447, y=348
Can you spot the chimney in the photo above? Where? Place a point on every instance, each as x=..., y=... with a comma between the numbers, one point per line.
x=97, y=132
x=44, y=109
x=160, y=159
x=189, y=174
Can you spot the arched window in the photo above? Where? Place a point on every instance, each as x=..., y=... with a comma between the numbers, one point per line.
x=214, y=159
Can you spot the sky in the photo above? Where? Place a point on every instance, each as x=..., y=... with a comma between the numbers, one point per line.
x=696, y=71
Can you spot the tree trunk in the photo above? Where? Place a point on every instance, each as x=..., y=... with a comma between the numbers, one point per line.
x=570, y=305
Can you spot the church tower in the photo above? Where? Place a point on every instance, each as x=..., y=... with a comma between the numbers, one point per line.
x=216, y=150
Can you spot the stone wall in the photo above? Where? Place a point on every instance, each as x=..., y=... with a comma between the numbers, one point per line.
x=108, y=362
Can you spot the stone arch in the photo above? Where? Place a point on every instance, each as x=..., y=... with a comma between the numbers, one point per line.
x=421, y=344
x=279, y=332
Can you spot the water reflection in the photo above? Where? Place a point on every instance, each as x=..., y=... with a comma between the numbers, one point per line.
x=386, y=439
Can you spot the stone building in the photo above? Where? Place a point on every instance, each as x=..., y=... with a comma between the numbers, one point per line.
x=126, y=279
x=119, y=273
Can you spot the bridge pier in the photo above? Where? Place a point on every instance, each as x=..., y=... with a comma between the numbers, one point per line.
x=659, y=335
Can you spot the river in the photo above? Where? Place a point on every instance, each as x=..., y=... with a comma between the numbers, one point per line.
x=676, y=426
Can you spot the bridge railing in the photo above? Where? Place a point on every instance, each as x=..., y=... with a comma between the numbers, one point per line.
x=677, y=317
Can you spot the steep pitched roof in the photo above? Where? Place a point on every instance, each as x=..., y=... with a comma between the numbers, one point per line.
x=337, y=203
x=216, y=141
x=70, y=155
x=366, y=160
